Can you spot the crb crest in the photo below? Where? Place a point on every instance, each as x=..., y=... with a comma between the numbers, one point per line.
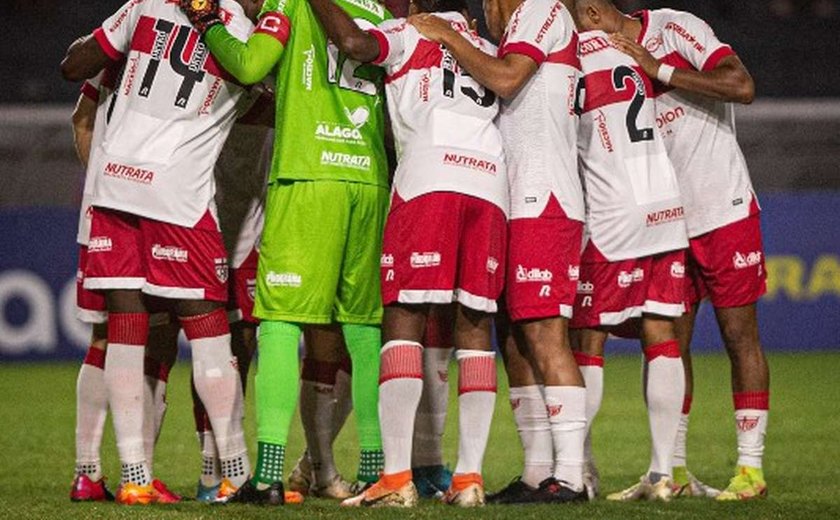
x=222, y=269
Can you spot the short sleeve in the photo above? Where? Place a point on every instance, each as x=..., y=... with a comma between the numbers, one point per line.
x=391, y=36
x=274, y=24
x=535, y=30
x=114, y=36
x=695, y=41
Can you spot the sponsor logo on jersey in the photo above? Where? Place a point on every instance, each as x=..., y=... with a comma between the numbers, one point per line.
x=222, y=270
x=653, y=43
x=669, y=116
x=426, y=259
x=552, y=17
x=99, y=244
x=129, y=173
x=123, y=15
x=573, y=272
x=390, y=275
x=468, y=161
x=535, y=274
x=170, y=253
x=345, y=160
x=369, y=6
x=386, y=260
x=215, y=88
x=425, y=83
x=492, y=265
x=593, y=45
x=283, y=279
x=308, y=67
x=678, y=270
x=337, y=133
x=744, y=260
x=545, y=291
x=685, y=35
x=130, y=74
x=553, y=409
x=664, y=216
x=585, y=287
x=359, y=116
x=746, y=423
x=603, y=131
x=625, y=279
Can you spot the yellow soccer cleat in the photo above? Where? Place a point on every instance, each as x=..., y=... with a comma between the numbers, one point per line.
x=747, y=484
x=131, y=494
x=645, y=490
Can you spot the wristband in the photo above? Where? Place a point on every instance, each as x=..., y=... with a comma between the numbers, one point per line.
x=664, y=73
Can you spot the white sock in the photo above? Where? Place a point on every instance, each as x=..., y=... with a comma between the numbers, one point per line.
x=664, y=396
x=566, y=407
x=476, y=403
x=91, y=412
x=218, y=385
x=534, y=432
x=751, y=410
x=592, y=370
x=154, y=406
x=124, y=380
x=342, y=392
x=679, y=445
x=211, y=469
x=317, y=409
x=431, y=413
x=400, y=386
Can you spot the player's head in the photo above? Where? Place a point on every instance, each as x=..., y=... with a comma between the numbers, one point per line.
x=599, y=15
x=438, y=6
x=252, y=8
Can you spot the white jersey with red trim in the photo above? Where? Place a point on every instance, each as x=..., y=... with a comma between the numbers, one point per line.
x=99, y=89
x=442, y=119
x=173, y=109
x=699, y=132
x=539, y=125
x=633, y=206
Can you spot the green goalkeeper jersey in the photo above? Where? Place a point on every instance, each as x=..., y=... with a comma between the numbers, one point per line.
x=329, y=109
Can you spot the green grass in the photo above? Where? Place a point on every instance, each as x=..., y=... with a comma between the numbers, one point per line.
x=802, y=461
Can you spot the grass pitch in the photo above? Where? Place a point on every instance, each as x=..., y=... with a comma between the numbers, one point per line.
x=802, y=461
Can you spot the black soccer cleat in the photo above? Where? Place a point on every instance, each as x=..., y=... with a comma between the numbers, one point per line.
x=553, y=491
x=248, y=493
x=517, y=492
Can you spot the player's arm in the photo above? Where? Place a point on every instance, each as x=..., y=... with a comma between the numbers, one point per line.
x=84, y=116
x=728, y=80
x=350, y=39
x=261, y=111
x=84, y=59
x=251, y=61
x=504, y=76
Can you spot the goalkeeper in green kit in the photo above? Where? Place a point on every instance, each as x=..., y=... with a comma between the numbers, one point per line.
x=325, y=209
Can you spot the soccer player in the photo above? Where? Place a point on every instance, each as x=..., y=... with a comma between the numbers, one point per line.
x=444, y=238
x=633, y=260
x=325, y=209
x=698, y=79
x=153, y=222
x=536, y=73
x=89, y=122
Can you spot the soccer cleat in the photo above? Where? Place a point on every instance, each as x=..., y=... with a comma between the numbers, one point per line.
x=591, y=479
x=381, y=495
x=431, y=481
x=517, y=492
x=224, y=492
x=207, y=494
x=131, y=494
x=466, y=490
x=687, y=485
x=301, y=478
x=164, y=494
x=553, y=491
x=747, y=484
x=337, y=488
x=645, y=490
x=86, y=490
x=274, y=495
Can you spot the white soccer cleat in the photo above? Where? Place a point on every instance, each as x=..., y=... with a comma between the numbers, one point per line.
x=591, y=479
x=337, y=488
x=687, y=485
x=301, y=478
x=645, y=490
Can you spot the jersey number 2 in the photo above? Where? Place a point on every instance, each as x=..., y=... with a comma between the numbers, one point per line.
x=619, y=76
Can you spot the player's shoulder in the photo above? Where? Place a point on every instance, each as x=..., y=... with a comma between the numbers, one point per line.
x=551, y=9
x=234, y=18
x=672, y=19
x=368, y=9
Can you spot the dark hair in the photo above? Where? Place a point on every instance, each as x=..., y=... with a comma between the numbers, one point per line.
x=442, y=6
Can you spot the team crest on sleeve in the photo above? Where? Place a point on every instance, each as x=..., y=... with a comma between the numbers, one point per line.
x=221, y=269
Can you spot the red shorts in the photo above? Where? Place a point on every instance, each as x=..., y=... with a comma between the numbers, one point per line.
x=543, y=264
x=90, y=305
x=611, y=293
x=244, y=287
x=161, y=259
x=443, y=247
x=727, y=265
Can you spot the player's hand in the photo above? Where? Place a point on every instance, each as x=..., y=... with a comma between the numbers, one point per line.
x=431, y=27
x=203, y=14
x=644, y=58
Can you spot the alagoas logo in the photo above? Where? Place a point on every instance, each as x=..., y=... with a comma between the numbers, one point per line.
x=345, y=160
x=343, y=132
x=99, y=244
x=467, y=161
x=678, y=270
x=426, y=259
x=742, y=261
x=535, y=274
x=283, y=279
x=129, y=173
x=625, y=278
x=664, y=216
x=170, y=253
x=745, y=423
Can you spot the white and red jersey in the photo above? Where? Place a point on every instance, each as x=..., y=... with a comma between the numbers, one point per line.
x=173, y=109
x=442, y=119
x=699, y=132
x=99, y=89
x=539, y=125
x=633, y=205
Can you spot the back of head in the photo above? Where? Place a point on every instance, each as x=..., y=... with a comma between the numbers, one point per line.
x=595, y=14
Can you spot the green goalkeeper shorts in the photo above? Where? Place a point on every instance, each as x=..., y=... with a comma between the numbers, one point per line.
x=319, y=252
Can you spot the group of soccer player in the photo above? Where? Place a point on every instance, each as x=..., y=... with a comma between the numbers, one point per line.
x=581, y=179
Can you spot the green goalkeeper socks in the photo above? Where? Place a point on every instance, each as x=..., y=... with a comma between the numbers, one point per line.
x=276, y=389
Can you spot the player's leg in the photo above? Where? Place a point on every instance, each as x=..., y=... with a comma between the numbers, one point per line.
x=588, y=346
x=430, y=475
